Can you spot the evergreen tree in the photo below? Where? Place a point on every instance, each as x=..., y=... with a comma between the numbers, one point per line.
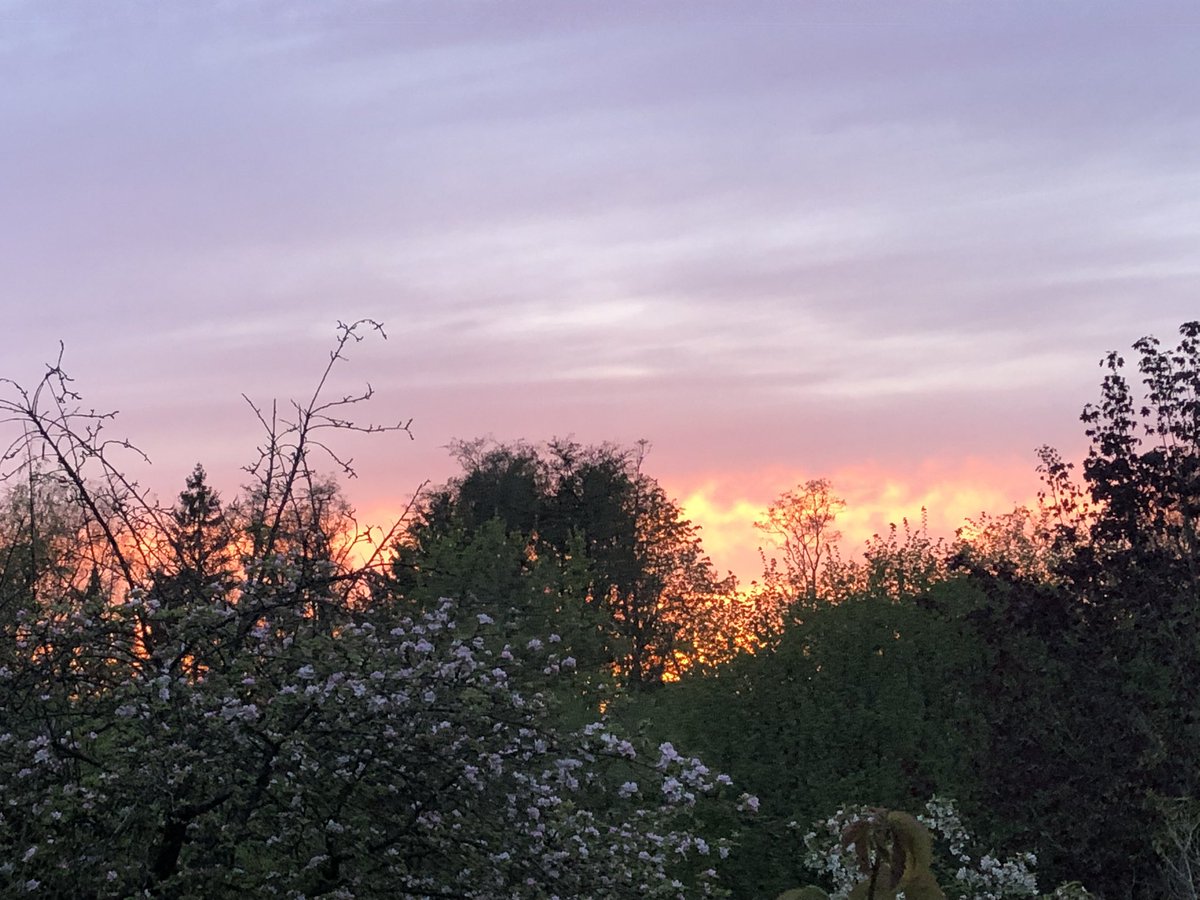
x=200, y=564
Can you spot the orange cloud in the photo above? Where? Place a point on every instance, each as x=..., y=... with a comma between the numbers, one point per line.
x=726, y=505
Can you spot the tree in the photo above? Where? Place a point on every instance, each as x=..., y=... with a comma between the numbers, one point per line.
x=1143, y=474
x=904, y=563
x=201, y=539
x=1054, y=750
x=200, y=563
x=800, y=523
x=482, y=538
x=663, y=604
x=1140, y=571
x=39, y=559
x=1018, y=543
x=605, y=534
x=1126, y=544
x=387, y=752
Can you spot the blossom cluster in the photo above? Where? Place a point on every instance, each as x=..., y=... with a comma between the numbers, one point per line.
x=973, y=875
x=289, y=744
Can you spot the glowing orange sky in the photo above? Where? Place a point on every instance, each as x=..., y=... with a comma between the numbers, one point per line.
x=950, y=491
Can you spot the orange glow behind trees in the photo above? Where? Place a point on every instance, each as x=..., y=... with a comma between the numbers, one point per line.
x=291, y=504
x=950, y=493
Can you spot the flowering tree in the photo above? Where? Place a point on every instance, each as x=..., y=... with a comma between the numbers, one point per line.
x=391, y=760
x=284, y=728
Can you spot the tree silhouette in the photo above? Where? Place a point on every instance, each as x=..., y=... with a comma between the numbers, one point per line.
x=622, y=547
x=801, y=525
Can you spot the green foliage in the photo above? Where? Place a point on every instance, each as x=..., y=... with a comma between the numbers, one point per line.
x=1129, y=541
x=901, y=564
x=1046, y=687
x=526, y=598
x=864, y=698
x=1177, y=843
x=580, y=535
x=156, y=667
x=393, y=759
x=1016, y=544
x=805, y=893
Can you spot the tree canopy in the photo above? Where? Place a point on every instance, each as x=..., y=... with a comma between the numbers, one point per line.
x=536, y=684
x=624, y=567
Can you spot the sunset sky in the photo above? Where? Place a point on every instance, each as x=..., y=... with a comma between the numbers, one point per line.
x=885, y=244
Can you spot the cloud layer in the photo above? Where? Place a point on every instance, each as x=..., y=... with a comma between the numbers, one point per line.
x=795, y=239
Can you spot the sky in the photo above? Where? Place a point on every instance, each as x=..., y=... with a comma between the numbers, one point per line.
x=885, y=245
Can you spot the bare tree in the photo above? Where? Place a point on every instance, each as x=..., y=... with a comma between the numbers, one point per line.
x=800, y=523
x=62, y=445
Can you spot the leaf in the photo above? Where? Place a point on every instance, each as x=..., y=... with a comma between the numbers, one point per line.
x=897, y=861
x=859, y=834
